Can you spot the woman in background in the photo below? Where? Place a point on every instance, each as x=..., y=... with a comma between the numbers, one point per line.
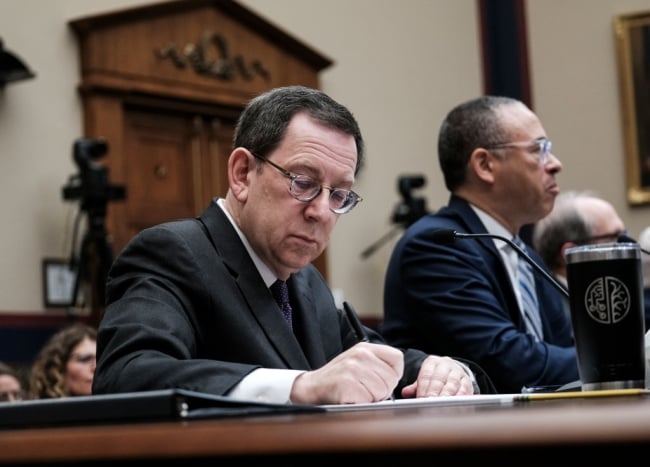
x=65, y=366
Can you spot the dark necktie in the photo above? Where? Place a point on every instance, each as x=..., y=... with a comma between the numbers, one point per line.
x=528, y=295
x=280, y=292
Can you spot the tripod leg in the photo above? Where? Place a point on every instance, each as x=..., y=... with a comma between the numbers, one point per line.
x=375, y=246
x=82, y=270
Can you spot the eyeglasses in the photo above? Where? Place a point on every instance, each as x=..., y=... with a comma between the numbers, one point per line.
x=542, y=147
x=614, y=236
x=304, y=188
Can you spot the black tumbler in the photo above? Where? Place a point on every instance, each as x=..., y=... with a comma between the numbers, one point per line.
x=606, y=296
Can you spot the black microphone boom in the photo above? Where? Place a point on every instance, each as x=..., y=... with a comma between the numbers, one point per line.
x=449, y=236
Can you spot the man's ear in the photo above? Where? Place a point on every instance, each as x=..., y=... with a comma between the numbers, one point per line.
x=240, y=165
x=481, y=165
x=565, y=246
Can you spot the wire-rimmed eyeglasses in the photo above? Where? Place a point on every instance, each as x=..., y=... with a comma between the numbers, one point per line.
x=541, y=146
x=304, y=188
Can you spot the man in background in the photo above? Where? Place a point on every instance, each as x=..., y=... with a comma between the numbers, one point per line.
x=578, y=218
x=11, y=386
x=476, y=298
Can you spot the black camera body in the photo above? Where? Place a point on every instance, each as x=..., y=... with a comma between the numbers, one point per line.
x=411, y=208
x=91, y=185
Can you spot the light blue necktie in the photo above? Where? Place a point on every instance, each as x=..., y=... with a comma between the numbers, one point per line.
x=529, y=301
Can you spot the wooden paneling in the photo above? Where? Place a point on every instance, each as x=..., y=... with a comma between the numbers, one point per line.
x=163, y=84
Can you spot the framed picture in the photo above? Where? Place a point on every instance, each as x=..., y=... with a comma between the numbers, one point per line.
x=59, y=281
x=632, y=34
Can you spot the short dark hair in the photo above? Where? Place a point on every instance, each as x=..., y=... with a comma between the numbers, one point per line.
x=473, y=124
x=263, y=123
x=6, y=369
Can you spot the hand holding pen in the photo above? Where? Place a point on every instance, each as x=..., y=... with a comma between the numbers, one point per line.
x=355, y=323
x=448, y=370
x=357, y=327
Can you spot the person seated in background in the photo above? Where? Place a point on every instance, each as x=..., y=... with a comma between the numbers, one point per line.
x=65, y=366
x=578, y=218
x=11, y=387
x=192, y=304
x=476, y=298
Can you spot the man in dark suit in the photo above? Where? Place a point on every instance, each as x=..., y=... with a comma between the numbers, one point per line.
x=189, y=303
x=464, y=298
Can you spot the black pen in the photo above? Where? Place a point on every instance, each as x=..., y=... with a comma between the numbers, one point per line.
x=355, y=323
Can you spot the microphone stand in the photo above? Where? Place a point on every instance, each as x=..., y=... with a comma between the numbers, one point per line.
x=521, y=253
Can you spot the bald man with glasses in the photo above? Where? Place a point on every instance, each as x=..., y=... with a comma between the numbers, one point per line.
x=578, y=218
x=230, y=304
x=476, y=298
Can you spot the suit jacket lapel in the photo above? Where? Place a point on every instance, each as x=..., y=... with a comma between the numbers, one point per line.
x=262, y=310
x=472, y=223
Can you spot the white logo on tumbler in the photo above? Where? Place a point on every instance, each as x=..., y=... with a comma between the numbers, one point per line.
x=607, y=300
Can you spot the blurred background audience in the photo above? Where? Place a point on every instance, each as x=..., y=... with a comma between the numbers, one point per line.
x=65, y=366
x=11, y=387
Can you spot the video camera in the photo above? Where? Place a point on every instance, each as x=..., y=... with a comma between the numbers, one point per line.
x=411, y=208
x=91, y=185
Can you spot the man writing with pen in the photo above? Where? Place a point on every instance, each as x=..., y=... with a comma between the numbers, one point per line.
x=190, y=304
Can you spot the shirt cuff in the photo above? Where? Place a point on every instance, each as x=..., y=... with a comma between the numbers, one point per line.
x=266, y=385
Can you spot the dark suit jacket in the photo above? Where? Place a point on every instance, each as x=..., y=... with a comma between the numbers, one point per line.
x=458, y=300
x=186, y=308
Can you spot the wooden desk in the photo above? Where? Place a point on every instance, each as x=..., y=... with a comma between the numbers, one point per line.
x=529, y=434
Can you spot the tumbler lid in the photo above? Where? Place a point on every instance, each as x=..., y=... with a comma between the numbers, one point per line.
x=603, y=251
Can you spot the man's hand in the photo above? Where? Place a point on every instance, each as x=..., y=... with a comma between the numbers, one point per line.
x=364, y=373
x=440, y=376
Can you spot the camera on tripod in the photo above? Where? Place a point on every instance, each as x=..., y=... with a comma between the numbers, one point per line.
x=92, y=188
x=91, y=184
x=411, y=208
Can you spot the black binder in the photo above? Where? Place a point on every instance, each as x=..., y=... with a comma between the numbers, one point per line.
x=146, y=406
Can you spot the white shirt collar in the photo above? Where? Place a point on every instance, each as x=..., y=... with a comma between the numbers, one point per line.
x=508, y=254
x=268, y=276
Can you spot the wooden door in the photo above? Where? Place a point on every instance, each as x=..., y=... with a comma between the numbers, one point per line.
x=176, y=163
x=164, y=84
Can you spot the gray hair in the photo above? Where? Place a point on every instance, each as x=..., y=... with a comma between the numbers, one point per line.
x=563, y=224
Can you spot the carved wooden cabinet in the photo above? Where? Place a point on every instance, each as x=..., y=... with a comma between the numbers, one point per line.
x=163, y=84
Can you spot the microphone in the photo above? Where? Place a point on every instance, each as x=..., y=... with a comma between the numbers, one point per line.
x=624, y=238
x=449, y=236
